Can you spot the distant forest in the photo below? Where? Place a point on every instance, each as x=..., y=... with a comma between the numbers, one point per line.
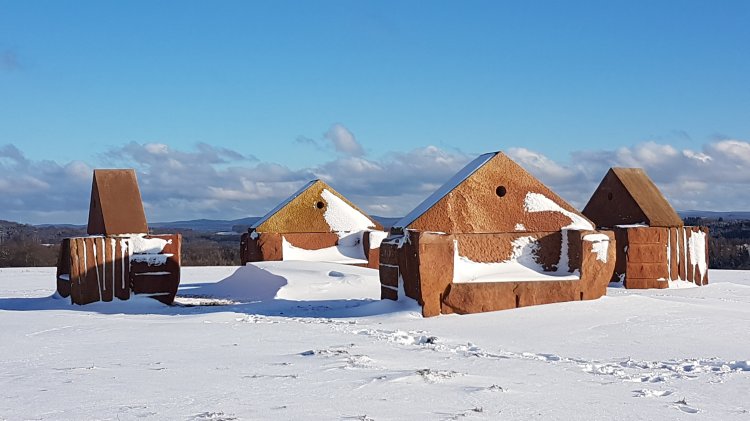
x=28, y=245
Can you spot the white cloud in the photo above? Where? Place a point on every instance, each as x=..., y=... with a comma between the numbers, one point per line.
x=156, y=148
x=733, y=150
x=542, y=166
x=343, y=140
x=211, y=182
x=698, y=156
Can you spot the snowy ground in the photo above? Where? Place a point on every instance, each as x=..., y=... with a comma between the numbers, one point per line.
x=295, y=340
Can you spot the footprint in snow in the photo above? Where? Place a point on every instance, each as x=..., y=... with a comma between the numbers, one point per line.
x=648, y=393
x=213, y=416
x=684, y=407
x=436, y=376
x=328, y=352
x=336, y=274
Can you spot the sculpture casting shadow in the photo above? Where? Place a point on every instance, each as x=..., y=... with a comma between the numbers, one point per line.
x=249, y=290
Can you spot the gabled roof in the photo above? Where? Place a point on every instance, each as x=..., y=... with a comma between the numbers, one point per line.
x=316, y=207
x=493, y=194
x=628, y=196
x=116, y=206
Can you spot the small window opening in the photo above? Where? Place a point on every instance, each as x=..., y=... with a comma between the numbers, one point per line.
x=500, y=191
x=581, y=295
x=518, y=301
x=609, y=196
x=320, y=205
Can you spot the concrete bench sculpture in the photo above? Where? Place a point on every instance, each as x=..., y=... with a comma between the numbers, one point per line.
x=314, y=224
x=118, y=258
x=653, y=245
x=493, y=238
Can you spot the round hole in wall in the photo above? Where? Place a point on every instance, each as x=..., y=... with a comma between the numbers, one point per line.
x=320, y=205
x=500, y=191
x=609, y=195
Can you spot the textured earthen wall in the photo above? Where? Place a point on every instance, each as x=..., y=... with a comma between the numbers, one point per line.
x=646, y=256
x=656, y=255
x=628, y=196
x=304, y=213
x=475, y=247
x=425, y=263
x=389, y=270
x=255, y=247
x=372, y=254
x=474, y=206
x=267, y=246
x=611, y=205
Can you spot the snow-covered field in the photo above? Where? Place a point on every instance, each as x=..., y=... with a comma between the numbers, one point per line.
x=302, y=340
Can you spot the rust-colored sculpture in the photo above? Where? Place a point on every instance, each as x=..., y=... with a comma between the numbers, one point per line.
x=119, y=257
x=653, y=245
x=493, y=238
x=315, y=224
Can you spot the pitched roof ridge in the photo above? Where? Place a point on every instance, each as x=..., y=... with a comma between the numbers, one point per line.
x=285, y=202
x=464, y=173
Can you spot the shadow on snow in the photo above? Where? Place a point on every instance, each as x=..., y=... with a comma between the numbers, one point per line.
x=248, y=290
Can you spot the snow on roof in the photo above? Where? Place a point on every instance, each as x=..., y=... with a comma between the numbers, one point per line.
x=282, y=204
x=341, y=217
x=446, y=188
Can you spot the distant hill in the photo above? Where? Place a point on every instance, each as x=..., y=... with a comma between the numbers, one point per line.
x=236, y=225
x=727, y=216
x=205, y=225
x=208, y=225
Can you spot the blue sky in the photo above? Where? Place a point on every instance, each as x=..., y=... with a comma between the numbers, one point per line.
x=277, y=84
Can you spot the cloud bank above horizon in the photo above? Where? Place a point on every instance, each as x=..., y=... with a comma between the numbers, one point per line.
x=219, y=183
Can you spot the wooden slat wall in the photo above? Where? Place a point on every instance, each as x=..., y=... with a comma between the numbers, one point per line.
x=96, y=272
x=100, y=270
x=162, y=287
x=647, y=265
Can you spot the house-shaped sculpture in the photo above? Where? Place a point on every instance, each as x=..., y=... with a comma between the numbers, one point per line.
x=314, y=224
x=653, y=245
x=118, y=258
x=494, y=238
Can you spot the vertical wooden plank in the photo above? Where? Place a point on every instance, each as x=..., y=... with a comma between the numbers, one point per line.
x=705, y=277
x=697, y=278
x=99, y=265
x=75, y=272
x=122, y=277
x=674, y=252
x=173, y=266
x=91, y=292
x=104, y=255
x=681, y=253
x=690, y=263
x=63, y=269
